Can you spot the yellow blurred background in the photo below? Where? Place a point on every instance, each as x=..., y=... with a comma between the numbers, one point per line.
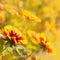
x=54, y=5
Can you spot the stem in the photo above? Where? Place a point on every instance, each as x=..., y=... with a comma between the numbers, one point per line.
x=17, y=50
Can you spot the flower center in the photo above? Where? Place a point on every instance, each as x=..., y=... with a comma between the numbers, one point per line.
x=17, y=37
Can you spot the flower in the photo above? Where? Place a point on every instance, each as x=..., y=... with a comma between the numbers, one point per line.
x=35, y=38
x=40, y=38
x=30, y=16
x=47, y=45
x=13, y=34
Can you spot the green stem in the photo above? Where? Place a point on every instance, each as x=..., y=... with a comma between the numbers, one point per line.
x=17, y=50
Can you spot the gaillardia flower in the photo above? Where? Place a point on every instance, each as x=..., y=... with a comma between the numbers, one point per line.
x=13, y=34
x=40, y=38
x=47, y=45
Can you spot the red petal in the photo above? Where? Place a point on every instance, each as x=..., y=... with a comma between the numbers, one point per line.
x=41, y=39
x=19, y=38
x=11, y=38
x=5, y=33
x=12, y=33
x=47, y=47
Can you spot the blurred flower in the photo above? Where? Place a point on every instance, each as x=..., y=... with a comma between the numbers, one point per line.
x=2, y=13
x=29, y=15
x=13, y=34
x=40, y=38
x=12, y=10
x=35, y=38
x=45, y=43
x=50, y=26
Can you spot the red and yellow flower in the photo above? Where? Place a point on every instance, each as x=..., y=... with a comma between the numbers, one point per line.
x=14, y=35
x=40, y=38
